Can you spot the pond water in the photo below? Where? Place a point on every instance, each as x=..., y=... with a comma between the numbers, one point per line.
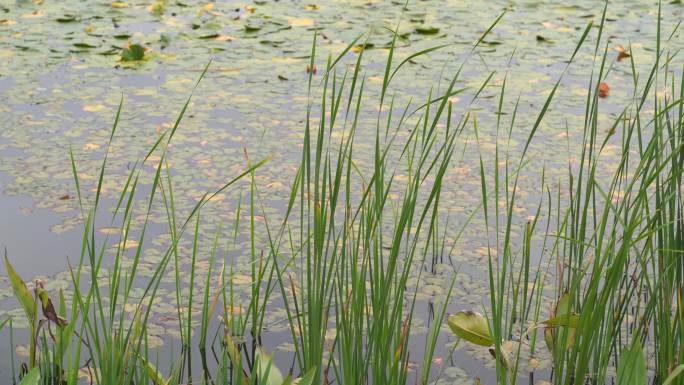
x=61, y=81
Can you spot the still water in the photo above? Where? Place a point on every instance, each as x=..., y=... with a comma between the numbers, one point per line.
x=61, y=80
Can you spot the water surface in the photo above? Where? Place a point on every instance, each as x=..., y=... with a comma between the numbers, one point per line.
x=61, y=80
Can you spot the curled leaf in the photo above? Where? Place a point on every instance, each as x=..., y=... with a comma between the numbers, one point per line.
x=472, y=327
x=47, y=306
x=622, y=53
x=507, y=348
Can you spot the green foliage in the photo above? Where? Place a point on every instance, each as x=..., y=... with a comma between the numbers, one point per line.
x=631, y=367
x=31, y=378
x=340, y=261
x=28, y=303
x=615, y=242
x=21, y=292
x=472, y=327
x=674, y=375
x=133, y=52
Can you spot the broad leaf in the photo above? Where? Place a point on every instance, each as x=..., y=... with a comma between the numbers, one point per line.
x=631, y=369
x=563, y=314
x=553, y=335
x=308, y=378
x=569, y=320
x=268, y=373
x=561, y=325
x=472, y=327
x=21, y=292
x=31, y=378
x=564, y=304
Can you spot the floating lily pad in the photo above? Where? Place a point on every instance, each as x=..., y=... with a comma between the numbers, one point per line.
x=66, y=18
x=84, y=45
x=427, y=30
x=133, y=52
x=253, y=25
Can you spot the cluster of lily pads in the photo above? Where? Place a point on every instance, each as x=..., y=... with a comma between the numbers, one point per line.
x=340, y=263
x=612, y=253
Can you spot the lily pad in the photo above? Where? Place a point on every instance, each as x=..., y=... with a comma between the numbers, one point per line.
x=427, y=30
x=66, y=18
x=133, y=52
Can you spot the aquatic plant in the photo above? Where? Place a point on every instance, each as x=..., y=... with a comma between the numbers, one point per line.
x=616, y=245
x=340, y=261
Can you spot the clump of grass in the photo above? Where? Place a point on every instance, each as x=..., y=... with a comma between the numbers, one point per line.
x=340, y=260
x=616, y=245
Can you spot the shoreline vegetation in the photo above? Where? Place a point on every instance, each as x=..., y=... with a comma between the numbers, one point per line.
x=340, y=261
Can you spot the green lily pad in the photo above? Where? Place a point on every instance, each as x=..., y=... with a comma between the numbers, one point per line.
x=133, y=52
x=427, y=30
x=84, y=45
x=66, y=18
